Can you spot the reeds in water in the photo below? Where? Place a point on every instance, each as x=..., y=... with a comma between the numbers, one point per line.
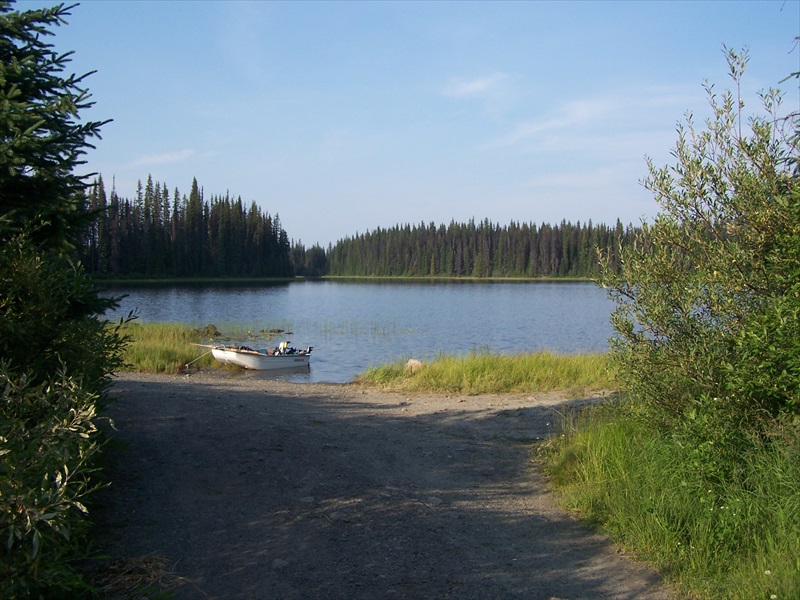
x=167, y=347
x=163, y=347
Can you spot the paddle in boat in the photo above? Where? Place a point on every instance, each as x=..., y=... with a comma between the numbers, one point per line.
x=266, y=359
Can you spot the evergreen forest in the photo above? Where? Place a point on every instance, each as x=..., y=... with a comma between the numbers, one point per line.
x=159, y=234
x=481, y=249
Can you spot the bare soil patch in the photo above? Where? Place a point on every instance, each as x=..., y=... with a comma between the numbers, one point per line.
x=245, y=487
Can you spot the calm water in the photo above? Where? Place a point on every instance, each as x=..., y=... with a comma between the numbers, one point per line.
x=353, y=325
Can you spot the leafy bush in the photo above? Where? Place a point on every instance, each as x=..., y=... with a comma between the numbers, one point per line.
x=700, y=471
x=54, y=363
x=48, y=308
x=707, y=301
x=46, y=448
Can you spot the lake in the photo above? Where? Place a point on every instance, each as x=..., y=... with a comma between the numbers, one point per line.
x=356, y=324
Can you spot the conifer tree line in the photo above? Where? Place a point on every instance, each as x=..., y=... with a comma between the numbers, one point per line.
x=483, y=249
x=158, y=234
x=163, y=234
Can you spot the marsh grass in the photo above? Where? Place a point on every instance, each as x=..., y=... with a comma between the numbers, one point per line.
x=483, y=372
x=732, y=538
x=163, y=347
x=167, y=347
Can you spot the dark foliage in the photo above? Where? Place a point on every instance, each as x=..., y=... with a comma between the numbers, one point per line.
x=163, y=235
x=42, y=141
x=480, y=249
x=55, y=351
x=158, y=235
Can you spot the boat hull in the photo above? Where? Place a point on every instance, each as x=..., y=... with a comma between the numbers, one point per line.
x=259, y=361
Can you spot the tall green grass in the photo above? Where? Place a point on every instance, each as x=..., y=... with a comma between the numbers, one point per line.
x=167, y=347
x=734, y=537
x=480, y=373
x=163, y=347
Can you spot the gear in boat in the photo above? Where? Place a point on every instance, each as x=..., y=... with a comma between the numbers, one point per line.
x=283, y=349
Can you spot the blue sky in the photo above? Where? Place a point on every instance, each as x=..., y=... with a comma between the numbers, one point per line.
x=341, y=117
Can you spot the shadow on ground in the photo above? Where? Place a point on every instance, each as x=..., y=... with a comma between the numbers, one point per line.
x=323, y=492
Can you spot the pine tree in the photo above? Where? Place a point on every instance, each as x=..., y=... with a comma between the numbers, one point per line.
x=42, y=140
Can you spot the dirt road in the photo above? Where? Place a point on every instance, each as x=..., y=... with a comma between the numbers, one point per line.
x=245, y=487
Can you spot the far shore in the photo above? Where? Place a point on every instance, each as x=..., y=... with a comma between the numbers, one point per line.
x=136, y=281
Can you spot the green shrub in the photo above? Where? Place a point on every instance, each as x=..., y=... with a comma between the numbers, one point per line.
x=708, y=298
x=700, y=471
x=48, y=440
x=50, y=314
x=55, y=358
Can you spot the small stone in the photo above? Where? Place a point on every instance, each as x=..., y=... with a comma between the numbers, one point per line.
x=413, y=365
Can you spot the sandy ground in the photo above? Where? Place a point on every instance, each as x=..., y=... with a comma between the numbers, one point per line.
x=243, y=487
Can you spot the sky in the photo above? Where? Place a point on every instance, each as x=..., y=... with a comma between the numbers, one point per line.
x=342, y=117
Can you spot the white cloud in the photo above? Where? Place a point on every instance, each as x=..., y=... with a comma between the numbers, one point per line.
x=465, y=88
x=618, y=114
x=570, y=115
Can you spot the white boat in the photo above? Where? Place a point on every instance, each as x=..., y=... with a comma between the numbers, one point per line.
x=266, y=359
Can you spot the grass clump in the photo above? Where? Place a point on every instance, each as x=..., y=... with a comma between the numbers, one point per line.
x=164, y=347
x=720, y=523
x=481, y=373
